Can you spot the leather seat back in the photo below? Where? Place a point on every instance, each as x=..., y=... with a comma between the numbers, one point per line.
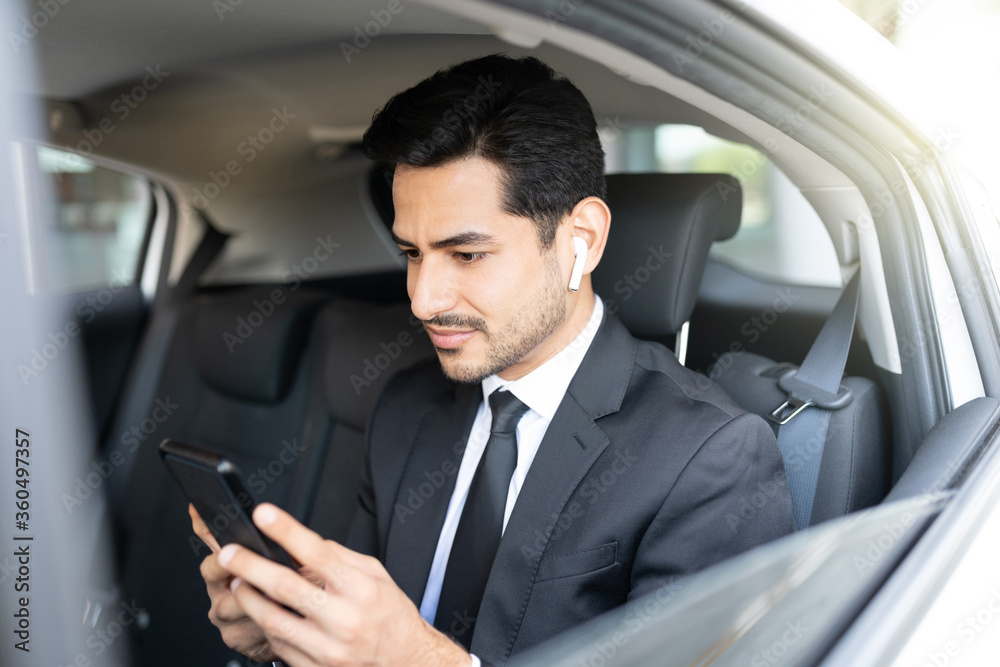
x=663, y=227
x=855, y=459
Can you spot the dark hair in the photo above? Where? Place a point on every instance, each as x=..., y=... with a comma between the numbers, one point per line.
x=519, y=114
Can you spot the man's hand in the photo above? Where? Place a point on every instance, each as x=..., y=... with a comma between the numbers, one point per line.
x=239, y=632
x=352, y=613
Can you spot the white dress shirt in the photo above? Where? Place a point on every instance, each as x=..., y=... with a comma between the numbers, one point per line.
x=542, y=390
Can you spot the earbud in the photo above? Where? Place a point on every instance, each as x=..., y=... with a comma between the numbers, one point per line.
x=580, y=252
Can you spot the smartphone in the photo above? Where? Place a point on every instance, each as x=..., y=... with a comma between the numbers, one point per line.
x=214, y=486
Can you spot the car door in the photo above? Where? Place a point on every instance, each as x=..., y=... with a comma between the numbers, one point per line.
x=87, y=255
x=45, y=425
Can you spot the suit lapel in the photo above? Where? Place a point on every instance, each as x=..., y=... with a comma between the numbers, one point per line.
x=421, y=504
x=571, y=445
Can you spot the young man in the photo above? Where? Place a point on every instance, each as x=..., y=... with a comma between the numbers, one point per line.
x=606, y=467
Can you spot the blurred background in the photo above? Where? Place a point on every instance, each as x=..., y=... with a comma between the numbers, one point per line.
x=955, y=45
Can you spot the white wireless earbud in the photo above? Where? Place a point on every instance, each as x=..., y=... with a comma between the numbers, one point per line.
x=580, y=252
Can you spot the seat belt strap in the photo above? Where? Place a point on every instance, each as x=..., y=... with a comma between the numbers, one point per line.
x=816, y=383
x=151, y=356
x=211, y=244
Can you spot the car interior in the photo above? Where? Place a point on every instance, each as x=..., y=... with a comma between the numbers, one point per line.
x=214, y=228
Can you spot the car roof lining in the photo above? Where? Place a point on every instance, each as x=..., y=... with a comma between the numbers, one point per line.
x=74, y=58
x=202, y=104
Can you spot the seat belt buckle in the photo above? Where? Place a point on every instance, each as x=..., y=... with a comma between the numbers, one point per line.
x=791, y=407
x=802, y=395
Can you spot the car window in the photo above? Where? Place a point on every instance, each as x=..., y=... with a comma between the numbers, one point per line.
x=781, y=238
x=94, y=220
x=772, y=606
x=986, y=215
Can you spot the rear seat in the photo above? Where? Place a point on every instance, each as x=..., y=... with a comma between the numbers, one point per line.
x=283, y=389
x=364, y=346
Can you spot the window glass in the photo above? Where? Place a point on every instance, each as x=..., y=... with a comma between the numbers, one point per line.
x=94, y=220
x=985, y=215
x=781, y=238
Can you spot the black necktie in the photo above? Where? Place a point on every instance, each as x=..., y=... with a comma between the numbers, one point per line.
x=481, y=525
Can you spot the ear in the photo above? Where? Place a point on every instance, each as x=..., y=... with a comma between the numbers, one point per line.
x=590, y=219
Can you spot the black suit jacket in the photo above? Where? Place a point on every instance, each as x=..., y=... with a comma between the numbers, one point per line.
x=647, y=472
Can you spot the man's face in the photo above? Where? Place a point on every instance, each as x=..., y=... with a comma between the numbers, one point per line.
x=488, y=295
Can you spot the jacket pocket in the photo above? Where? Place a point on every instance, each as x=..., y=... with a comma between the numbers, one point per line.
x=576, y=563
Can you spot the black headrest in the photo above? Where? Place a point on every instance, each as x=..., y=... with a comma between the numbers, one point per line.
x=662, y=226
x=365, y=346
x=249, y=341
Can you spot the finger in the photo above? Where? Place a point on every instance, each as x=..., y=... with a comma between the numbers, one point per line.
x=218, y=579
x=330, y=559
x=213, y=572
x=229, y=610
x=282, y=584
x=294, y=639
x=201, y=529
x=309, y=646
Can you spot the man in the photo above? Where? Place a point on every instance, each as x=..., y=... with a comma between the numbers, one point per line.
x=607, y=468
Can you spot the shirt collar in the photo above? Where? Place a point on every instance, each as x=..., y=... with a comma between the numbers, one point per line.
x=542, y=389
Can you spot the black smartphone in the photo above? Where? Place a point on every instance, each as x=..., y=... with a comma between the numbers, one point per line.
x=214, y=486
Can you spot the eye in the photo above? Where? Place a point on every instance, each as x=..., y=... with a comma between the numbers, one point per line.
x=470, y=257
x=411, y=254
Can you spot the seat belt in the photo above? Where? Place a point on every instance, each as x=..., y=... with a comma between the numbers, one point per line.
x=816, y=383
x=143, y=381
x=146, y=376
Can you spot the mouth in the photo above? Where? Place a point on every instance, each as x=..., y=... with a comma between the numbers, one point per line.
x=447, y=339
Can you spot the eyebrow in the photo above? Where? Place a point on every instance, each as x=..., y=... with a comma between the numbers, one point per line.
x=464, y=238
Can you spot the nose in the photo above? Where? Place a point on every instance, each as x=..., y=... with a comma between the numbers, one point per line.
x=430, y=287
